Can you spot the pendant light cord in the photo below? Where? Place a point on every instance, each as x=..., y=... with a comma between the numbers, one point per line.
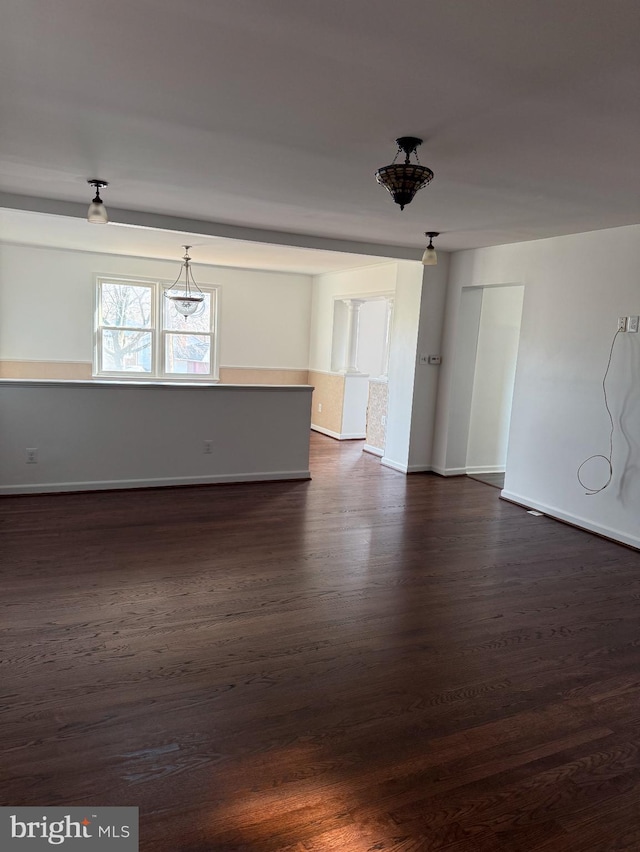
x=609, y=459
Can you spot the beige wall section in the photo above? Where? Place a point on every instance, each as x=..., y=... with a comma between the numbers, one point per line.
x=329, y=393
x=262, y=376
x=45, y=370
x=82, y=370
x=376, y=410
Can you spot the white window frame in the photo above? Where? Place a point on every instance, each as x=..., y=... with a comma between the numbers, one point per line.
x=212, y=334
x=158, y=333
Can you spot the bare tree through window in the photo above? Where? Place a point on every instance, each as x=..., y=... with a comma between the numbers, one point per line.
x=141, y=331
x=126, y=308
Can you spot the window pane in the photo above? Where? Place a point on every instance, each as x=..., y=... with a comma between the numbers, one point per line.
x=200, y=321
x=188, y=353
x=125, y=305
x=126, y=351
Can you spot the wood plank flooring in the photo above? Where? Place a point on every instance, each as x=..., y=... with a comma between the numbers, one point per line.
x=495, y=479
x=362, y=662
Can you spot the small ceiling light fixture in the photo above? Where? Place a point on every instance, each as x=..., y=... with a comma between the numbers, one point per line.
x=430, y=258
x=186, y=299
x=97, y=213
x=403, y=180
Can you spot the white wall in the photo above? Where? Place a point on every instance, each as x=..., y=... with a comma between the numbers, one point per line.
x=92, y=435
x=47, y=296
x=339, y=336
x=427, y=376
x=379, y=278
x=354, y=409
x=495, y=370
x=371, y=340
x=402, y=363
x=575, y=288
x=457, y=374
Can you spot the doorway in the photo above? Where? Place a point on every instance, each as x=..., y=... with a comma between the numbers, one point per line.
x=360, y=353
x=487, y=351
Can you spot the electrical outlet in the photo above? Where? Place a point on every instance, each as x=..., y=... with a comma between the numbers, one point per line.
x=383, y=420
x=622, y=323
x=436, y=360
x=31, y=455
x=423, y=359
x=632, y=324
x=207, y=449
x=319, y=408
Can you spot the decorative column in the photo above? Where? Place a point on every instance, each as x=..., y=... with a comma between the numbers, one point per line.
x=353, y=328
x=387, y=335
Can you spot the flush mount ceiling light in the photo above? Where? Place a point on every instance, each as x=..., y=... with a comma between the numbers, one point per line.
x=403, y=180
x=430, y=258
x=97, y=213
x=188, y=297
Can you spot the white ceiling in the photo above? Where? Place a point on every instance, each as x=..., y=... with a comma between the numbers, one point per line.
x=274, y=114
x=26, y=228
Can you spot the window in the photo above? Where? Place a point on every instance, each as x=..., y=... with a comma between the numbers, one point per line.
x=139, y=333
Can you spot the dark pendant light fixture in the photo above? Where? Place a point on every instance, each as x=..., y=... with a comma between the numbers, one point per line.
x=188, y=297
x=403, y=180
x=430, y=258
x=97, y=213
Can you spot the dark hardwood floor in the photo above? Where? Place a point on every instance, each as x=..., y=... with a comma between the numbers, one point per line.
x=495, y=479
x=362, y=662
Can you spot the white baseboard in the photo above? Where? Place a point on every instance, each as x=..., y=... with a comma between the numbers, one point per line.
x=339, y=436
x=575, y=520
x=464, y=471
x=324, y=431
x=375, y=451
x=394, y=465
x=113, y=484
x=405, y=468
x=449, y=471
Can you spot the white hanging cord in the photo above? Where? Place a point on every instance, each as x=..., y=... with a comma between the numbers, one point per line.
x=609, y=459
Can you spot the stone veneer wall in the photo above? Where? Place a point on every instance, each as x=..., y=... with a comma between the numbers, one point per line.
x=376, y=411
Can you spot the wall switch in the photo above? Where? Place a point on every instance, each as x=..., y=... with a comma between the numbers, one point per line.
x=383, y=420
x=207, y=448
x=319, y=407
x=435, y=359
x=622, y=323
x=632, y=324
x=31, y=455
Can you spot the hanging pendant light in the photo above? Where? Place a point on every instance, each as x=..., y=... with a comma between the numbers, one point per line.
x=403, y=180
x=97, y=213
x=186, y=299
x=430, y=258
